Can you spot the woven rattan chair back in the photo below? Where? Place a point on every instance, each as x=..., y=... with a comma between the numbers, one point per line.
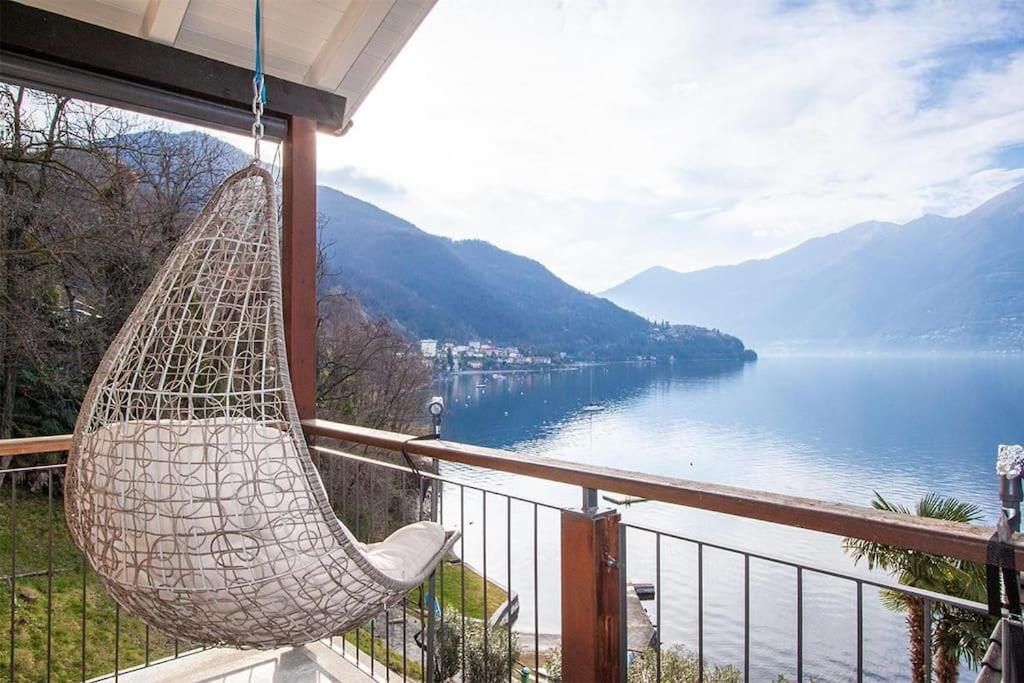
x=190, y=488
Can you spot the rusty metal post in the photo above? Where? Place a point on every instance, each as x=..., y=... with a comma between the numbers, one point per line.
x=591, y=609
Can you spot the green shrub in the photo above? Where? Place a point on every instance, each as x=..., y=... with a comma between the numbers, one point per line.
x=489, y=664
x=678, y=664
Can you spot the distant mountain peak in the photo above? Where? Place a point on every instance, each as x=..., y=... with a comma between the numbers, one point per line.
x=1011, y=201
x=932, y=283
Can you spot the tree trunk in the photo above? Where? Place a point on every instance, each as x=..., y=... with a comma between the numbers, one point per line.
x=915, y=631
x=947, y=664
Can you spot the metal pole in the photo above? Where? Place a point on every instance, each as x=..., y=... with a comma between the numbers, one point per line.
x=435, y=416
x=1010, y=496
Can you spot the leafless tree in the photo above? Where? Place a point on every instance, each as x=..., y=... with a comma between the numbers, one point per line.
x=93, y=199
x=371, y=376
x=91, y=204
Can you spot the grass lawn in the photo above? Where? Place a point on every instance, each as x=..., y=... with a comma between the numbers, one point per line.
x=449, y=590
x=32, y=610
x=35, y=540
x=413, y=670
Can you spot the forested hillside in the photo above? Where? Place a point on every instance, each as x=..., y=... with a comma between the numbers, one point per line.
x=439, y=288
x=91, y=206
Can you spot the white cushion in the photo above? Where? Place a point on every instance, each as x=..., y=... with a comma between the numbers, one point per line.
x=408, y=552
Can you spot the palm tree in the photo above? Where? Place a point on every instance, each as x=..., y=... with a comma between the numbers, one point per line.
x=958, y=634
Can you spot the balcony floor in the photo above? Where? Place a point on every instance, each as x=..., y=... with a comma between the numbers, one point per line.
x=315, y=663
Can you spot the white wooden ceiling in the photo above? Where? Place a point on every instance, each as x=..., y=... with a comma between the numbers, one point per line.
x=342, y=46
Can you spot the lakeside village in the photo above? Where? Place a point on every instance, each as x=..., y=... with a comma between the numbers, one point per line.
x=476, y=356
x=663, y=341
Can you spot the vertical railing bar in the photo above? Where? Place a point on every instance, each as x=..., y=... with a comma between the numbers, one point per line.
x=85, y=569
x=358, y=498
x=370, y=500
x=700, y=611
x=746, y=617
x=427, y=654
x=370, y=506
x=444, y=560
x=176, y=648
x=536, y=599
x=117, y=642
x=358, y=527
x=147, y=645
x=346, y=504
x=927, y=608
x=508, y=578
x=405, y=612
x=462, y=570
x=860, y=632
x=436, y=495
x=623, y=623
x=49, y=574
x=486, y=654
x=334, y=511
x=421, y=493
x=657, y=605
x=799, y=624
x=387, y=643
x=14, y=568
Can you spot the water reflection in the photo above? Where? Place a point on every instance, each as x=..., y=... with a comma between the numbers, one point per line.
x=835, y=429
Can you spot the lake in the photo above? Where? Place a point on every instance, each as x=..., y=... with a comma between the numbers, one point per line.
x=837, y=429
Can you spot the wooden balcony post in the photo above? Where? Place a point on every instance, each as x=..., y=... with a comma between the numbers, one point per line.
x=298, y=256
x=591, y=612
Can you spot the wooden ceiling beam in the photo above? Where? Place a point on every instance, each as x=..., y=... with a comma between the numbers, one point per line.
x=358, y=23
x=163, y=20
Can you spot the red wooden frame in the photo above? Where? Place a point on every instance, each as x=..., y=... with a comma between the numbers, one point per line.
x=299, y=255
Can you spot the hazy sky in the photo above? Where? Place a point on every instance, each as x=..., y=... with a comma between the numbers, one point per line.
x=602, y=138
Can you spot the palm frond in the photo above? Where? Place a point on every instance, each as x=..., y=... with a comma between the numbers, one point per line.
x=880, y=503
x=963, y=633
x=948, y=508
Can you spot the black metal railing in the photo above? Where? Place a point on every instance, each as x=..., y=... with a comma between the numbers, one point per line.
x=800, y=571
x=45, y=568
x=508, y=553
x=493, y=541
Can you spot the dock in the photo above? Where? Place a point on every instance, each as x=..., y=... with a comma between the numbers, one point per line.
x=640, y=630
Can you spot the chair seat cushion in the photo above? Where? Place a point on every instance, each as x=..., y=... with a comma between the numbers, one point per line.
x=409, y=551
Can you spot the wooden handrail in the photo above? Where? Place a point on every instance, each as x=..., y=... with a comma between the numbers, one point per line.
x=35, y=444
x=963, y=541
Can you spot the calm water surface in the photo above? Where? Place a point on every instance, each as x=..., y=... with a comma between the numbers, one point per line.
x=830, y=428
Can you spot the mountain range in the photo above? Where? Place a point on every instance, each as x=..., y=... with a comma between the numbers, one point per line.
x=427, y=286
x=934, y=283
x=434, y=287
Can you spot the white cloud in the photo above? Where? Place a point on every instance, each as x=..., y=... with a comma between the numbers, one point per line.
x=605, y=137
